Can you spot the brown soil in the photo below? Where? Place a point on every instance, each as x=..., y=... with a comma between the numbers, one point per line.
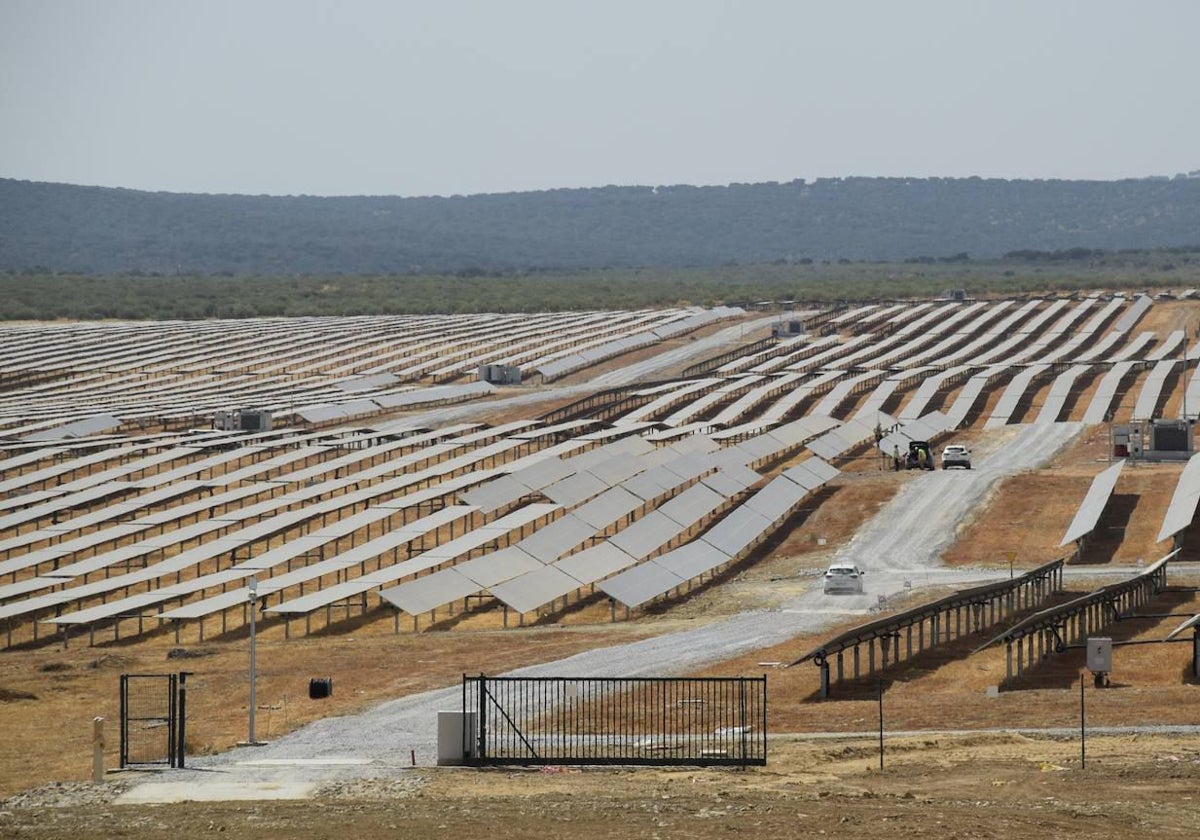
x=977, y=786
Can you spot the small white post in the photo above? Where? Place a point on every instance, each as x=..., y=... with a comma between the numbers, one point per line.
x=97, y=749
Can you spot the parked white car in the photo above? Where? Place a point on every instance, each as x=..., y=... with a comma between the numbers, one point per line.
x=955, y=455
x=844, y=577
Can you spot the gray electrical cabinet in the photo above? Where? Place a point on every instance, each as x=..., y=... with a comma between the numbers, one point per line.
x=500, y=374
x=1170, y=436
x=1099, y=655
x=243, y=420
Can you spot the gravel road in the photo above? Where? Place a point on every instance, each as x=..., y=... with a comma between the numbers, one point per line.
x=927, y=512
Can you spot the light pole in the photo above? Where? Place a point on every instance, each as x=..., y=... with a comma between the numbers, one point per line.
x=253, y=586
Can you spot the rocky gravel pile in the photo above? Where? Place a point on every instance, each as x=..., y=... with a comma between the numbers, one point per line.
x=67, y=795
x=393, y=788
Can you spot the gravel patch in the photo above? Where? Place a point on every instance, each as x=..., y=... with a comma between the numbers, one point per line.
x=67, y=795
x=394, y=788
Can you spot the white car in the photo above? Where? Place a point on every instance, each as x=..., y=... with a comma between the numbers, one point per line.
x=844, y=577
x=955, y=455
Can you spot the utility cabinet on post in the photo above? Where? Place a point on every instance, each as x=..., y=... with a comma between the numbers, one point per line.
x=1099, y=659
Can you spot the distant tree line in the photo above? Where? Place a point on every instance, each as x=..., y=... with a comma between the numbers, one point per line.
x=32, y=295
x=56, y=228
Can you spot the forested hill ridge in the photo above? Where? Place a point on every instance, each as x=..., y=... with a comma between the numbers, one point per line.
x=97, y=230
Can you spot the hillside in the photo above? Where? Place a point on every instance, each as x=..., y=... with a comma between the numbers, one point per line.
x=94, y=230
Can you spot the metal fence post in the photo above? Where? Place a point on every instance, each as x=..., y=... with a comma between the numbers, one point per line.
x=482, y=719
x=172, y=719
x=181, y=721
x=124, y=705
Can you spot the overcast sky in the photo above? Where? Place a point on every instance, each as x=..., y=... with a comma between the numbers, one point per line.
x=440, y=97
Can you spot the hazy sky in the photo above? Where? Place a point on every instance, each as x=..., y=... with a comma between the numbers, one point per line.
x=443, y=97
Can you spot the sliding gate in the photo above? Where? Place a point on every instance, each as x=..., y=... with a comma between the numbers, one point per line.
x=600, y=720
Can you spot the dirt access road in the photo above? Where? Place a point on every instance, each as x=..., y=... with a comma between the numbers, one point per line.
x=968, y=786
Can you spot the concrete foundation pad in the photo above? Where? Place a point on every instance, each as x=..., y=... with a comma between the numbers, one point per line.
x=163, y=793
x=305, y=762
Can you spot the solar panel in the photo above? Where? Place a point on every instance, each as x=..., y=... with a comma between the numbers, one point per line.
x=291, y=549
x=1060, y=392
x=647, y=535
x=595, y=563
x=723, y=483
x=640, y=584
x=1182, y=509
x=821, y=469
x=134, y=603
x=554, y=540
x=615, y=470
x=495, y=494
x=692, y=505
x=608, y=508
x=1168, y=346
x=691, y=560
x=970, y=393
x=1012, y=395
x=928, y=426
x=695, y=443
x=1147, y=400
x=533, y=589
x=497, y=567
x=319, y=413
x=760, y=447
x=543, y=473
x=1106, y=392
x=79, y=428
x=829, y=445
x=688, y=467
x=736, y=531
x=574, y=489
x=652, y=483
x=1191, y=622
x=366, y=383
x=430, y=592
x=1093, y=504
x=631, y=445
x=1141, y=303
x=777, y=499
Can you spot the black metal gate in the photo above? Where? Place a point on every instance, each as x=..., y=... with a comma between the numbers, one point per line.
x=153, y=715
x=602, y=720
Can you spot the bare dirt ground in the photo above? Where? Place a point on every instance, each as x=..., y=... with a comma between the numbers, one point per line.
x=972, y=786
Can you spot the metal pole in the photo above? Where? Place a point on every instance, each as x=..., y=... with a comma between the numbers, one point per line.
x=1082, y=729
x=881, y=725
x=253, y=670
x=181, y=719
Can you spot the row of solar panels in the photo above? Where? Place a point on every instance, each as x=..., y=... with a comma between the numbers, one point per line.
x=607, y=485
x=184, y=372
x=559, y=367
x=726, y=541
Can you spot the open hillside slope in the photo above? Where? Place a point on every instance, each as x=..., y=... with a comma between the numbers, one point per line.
x=673, y=518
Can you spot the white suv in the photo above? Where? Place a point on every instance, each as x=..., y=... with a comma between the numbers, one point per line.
x=956, y=456
x=844, y=577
